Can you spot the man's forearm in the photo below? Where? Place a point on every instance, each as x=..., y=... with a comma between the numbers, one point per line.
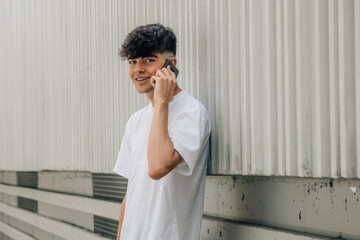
x=162, y=157
x=121, y=218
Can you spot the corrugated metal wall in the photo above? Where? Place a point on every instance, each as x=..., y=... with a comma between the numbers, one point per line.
x=280, y=78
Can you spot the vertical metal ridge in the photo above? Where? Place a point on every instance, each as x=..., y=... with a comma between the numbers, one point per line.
x=357, y=83
x=3, y=84
x=192, y=45
x=216, y=135
x=279, y=87
x=98, y=83
x=317, y=142
x=234, y=89
x=251, y=87
x=215, y=166
x=245, y=156
x=212, y=90
x=79, y=98
x=186, y=49
x=267, y=152
x=115, y=58
x=224, y=86
x=333, y=125
x=218, y=72
x=287, y=90
x=300, y=166
x=197, y=38
x=343, y=153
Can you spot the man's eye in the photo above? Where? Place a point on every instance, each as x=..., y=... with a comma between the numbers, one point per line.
x=132, y=62
x=149, y=60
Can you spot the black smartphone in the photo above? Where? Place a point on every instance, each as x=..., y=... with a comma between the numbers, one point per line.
x=172, y=66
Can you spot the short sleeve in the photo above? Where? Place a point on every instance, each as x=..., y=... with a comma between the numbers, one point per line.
x=122, y=165
x=189, y=133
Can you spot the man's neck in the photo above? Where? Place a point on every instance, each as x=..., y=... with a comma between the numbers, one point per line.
x=150, y=95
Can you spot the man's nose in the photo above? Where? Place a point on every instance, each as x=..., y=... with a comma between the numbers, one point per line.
x=139, y=67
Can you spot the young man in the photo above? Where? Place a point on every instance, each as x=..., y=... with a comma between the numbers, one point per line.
x=165, y=146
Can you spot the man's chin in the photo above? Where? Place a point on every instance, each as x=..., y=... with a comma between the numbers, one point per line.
x=143, y=91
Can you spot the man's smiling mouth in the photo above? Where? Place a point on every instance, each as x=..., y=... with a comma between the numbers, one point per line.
x=142, y=78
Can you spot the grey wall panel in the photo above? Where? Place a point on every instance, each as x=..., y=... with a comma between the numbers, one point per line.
x=280, y=79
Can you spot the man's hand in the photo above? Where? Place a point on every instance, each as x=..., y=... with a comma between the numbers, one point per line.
x=164, y=83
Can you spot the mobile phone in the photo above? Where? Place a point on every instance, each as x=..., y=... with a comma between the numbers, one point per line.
x=172, y=66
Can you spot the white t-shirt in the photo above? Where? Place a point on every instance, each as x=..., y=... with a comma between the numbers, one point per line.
x=170, y=208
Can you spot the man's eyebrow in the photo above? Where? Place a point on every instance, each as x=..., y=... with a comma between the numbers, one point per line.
x=132, y=59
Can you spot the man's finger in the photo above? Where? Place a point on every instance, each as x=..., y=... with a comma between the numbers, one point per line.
x=167, y=71
x=153, y=80
x=160, y=73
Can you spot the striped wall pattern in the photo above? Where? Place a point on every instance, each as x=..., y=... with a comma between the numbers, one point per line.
x=280, y=79
x=109, y=186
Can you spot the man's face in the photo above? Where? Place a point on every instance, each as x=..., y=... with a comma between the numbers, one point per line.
x=142, y=69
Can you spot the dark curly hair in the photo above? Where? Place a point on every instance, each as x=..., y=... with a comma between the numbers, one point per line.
x=147, y=40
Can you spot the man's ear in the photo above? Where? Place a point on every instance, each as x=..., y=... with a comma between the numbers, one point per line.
x=173, y=60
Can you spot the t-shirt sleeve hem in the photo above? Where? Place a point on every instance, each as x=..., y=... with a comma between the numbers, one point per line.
x=121, y=172
x=184, y=169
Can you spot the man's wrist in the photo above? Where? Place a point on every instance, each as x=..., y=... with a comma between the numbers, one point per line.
x=161, y=103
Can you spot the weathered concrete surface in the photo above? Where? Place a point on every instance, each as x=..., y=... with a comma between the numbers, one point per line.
x=8, y=199
x=54, y=227
x=8, y=177
x=78, y=218
x=29, y=228
x=326, y=207
x=78, y=183
x=213, y=229
x=4, y=237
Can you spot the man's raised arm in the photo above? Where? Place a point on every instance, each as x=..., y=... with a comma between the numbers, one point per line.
x=162, y=157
